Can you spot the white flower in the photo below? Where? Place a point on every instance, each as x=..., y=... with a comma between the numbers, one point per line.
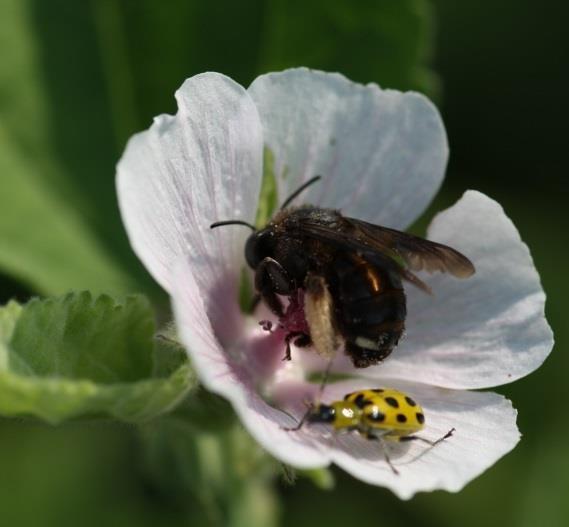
x=382, y=155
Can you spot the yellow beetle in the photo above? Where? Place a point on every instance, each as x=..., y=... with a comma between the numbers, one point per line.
x=377, y=413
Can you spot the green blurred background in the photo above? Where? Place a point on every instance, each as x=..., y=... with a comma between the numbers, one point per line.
x=78, y=77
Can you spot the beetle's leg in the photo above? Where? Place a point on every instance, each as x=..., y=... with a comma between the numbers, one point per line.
x=272, y=280
x=372, y=437
x=386, y=456
x=427, y=441
x=309, y=408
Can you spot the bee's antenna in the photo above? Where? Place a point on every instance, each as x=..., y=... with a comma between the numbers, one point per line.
x=231, y=222
x=299, y=190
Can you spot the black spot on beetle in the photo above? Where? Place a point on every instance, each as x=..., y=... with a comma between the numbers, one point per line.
x=410, y=401
x=420, y=417
x=377, y=416
x=392, y=401
x=401, y=418
x=361, y=401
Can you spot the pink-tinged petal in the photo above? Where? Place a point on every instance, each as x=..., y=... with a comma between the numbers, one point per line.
x=266, y=423
x=231, y=373
x=485, y=430
x=484, y=331
x=202, y=165
x=382, y=153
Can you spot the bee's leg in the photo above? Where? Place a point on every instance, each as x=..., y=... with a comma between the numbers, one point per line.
x=288, y=338
x=319, y=312
x=303, y=341
x=270, y=272
x=272, y=280
x=300, y=337
x=324, y=381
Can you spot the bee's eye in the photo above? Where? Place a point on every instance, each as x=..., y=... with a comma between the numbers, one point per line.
x=259, y=245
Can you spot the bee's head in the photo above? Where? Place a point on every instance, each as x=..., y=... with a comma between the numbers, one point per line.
x=259, y=245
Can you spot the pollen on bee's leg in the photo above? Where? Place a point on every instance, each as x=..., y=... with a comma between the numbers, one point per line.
x=319, y=309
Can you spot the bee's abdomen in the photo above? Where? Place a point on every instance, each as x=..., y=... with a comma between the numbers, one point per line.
x=370, y=309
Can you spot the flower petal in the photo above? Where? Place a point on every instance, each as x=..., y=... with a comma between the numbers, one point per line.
x=484, y=331
x=202, y=165
x=227, y=372
x=382, y=153
x=485, y=430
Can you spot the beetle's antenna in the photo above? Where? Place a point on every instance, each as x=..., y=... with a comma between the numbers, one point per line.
x=299, y=190
x=299, y=425
x=231, y=222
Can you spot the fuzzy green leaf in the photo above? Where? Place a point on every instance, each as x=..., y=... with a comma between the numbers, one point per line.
x=79, y=356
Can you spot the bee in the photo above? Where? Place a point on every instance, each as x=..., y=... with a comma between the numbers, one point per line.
x=351, y=273
x=382, y=414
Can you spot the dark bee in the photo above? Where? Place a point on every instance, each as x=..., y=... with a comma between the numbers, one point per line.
x=351, y=273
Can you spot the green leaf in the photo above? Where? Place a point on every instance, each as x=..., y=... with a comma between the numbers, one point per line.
x=224, y=470
x=323, y=478
x=385, y=41
x=82, y=356
x=542, y=500
x=60, y=227
x=69, y=110
x=43, y=242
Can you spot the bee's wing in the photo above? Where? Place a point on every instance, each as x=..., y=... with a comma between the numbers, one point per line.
x=417, y=253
